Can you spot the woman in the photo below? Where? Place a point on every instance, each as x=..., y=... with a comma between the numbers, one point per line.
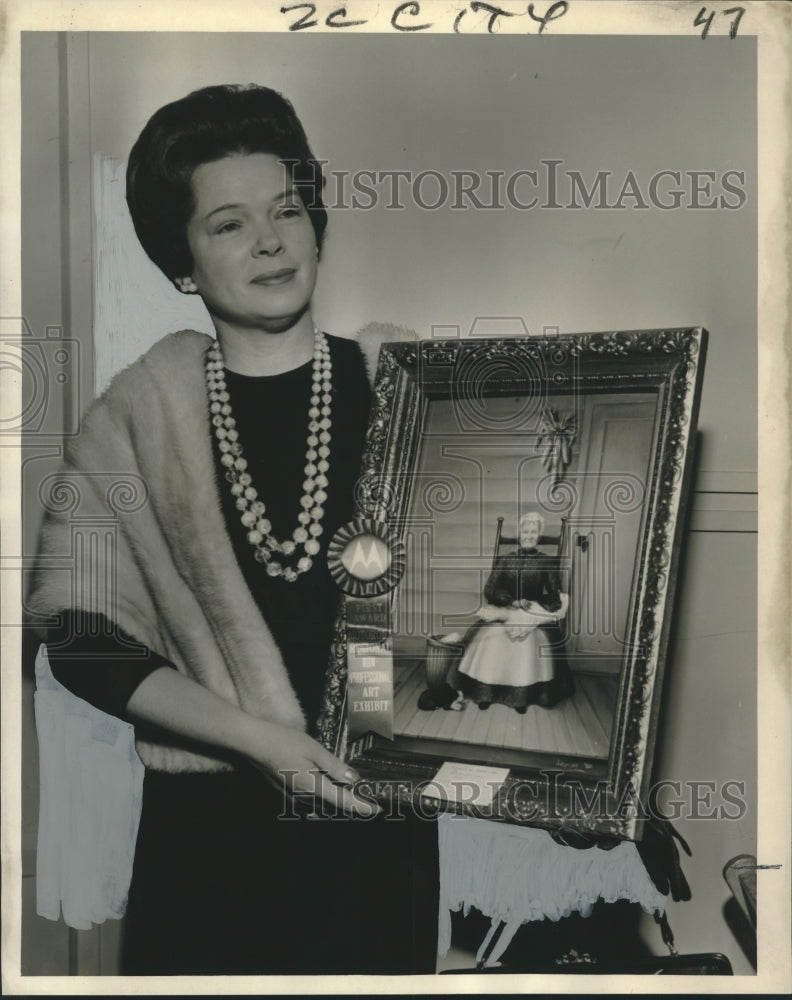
x=248, y=448
x=508, y=658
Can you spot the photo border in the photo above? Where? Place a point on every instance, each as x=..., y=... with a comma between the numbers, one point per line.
x=772, y=24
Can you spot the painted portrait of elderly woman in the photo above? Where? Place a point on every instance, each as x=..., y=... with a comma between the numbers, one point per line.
x=508, y=656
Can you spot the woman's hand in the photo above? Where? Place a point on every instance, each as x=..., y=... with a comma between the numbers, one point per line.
x=517, y=633
x=527, y=613
x=526, y=610
x=294, y=762
x=491, y=613
x=287, y=756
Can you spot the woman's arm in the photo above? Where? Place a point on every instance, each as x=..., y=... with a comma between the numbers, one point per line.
x=551, y=587
x=499, y=588
x=526, y=616
x=289, y=758
x=91, y=658
x=97, y=661
x=535, y=613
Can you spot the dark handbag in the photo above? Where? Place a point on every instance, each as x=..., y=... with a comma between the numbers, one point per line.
x=572, y=964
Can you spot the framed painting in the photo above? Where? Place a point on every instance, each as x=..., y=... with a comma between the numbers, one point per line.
x=510, y=574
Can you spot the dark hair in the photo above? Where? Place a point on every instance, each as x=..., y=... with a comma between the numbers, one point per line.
x=203, y=127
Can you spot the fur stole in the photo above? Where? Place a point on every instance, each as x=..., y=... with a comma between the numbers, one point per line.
x=136, y=522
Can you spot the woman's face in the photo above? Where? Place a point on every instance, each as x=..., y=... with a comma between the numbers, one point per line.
x=252, y=243
x=529, y=534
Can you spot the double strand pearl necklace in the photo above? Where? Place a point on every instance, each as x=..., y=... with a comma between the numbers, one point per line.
x=252, y=510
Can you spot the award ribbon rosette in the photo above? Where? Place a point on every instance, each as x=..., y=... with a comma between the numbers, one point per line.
x=366, y=560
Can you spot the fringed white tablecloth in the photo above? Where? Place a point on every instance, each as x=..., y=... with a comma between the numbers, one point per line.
x=516, y=874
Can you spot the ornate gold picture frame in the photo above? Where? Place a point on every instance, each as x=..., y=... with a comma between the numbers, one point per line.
x=595, y=433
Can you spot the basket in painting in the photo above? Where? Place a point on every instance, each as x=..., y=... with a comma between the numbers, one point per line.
x=440, y=655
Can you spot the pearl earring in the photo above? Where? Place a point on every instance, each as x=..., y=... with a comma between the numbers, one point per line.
x=186, y=285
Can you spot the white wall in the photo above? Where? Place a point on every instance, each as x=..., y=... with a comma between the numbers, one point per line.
x=446, y=102
x=708, y=732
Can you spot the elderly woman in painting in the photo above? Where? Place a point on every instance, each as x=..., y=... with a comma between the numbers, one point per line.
x=508, y=659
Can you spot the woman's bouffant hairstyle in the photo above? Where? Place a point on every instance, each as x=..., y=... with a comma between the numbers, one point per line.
x=203, y=127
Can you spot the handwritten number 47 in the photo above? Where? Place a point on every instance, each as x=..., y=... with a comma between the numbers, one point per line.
x=706, y=19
